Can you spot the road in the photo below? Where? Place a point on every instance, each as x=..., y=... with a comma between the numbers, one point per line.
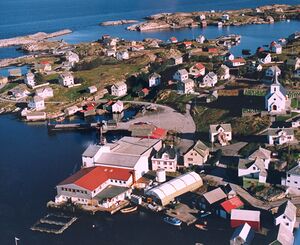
x=168, y=118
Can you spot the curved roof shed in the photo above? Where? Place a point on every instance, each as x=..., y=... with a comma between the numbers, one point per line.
x=167, y=191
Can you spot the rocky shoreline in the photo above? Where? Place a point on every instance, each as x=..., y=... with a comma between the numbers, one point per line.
x=34, y=38
x=117, y=22
x=262, y=15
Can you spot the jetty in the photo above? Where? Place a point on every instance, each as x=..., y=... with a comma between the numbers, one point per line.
x=53, y=223
x=33, y=38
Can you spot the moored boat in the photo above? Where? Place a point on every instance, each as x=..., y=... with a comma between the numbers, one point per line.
x=201, y=227
x=173, y=221
x=129, y=210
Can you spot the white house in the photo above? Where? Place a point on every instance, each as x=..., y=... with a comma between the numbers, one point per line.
x=262, y=154
x=154, y=80
x=286, y=215
x=253, y=169
x=292, y=179
x=29, y=80
x=229, y=56
x=37, y=103
x=186, y=86
x=243, y=234
x=202, y=17
x=225, y=17
x=181, y=75
x=45, y=92
x=200, y=39
x=236, y=62
x=265, y=58
x=197, y=155
x=276, y=99
x=209, y=80
x=66, y=79
x=71, y=110
x=275, y=48
x=117, y=107
x=176, y=60
x=272, y=71
x=225, y=72
x=72, y=58
x=221, y=133
x=122, y=55
x=254, y=67
x=19, y=93
x=294, y=63
x=280, y=136
x=119, y=89
x=92, y=89
x=96, y=186
x=110, y=53
x=165, y=158
x=197, y=70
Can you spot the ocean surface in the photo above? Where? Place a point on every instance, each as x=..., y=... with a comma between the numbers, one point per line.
x=32, y=161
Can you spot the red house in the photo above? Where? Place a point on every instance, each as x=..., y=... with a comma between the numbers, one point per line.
x=227, y=206
x=241, y=216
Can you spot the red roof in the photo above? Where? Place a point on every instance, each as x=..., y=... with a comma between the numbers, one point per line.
x=232, y=203
x=240, y=60
x=91, y=178
x=187, y=43
x=145, y=90
x=173, y=39
x=212, y=50
x=199, y=66
x=45, y=62
x=159, y=133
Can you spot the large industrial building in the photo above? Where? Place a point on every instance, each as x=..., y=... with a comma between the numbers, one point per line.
x=129, y=153
x=168, y=191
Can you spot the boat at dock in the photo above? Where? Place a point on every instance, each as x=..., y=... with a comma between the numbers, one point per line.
x=173, y=221
x=129, y=209
x=201, y=227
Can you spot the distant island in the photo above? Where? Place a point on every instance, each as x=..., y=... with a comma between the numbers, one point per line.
x=262, y=15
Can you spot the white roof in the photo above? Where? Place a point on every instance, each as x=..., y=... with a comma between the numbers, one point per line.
x=175, y=185
x=214, y=195
x=247, y=215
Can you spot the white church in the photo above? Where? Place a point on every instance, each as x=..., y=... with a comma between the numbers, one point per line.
x=276, y=100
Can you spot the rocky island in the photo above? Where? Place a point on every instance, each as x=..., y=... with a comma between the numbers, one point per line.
x=263, y=15
x=117, y=22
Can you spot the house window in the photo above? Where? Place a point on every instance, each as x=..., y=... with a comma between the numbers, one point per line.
x=283, y=216
x=288, y=181
x=295, y=182
x=289, y=175
x=287, y=224
x=190, y=159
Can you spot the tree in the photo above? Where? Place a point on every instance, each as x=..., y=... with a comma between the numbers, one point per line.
x=39, y=79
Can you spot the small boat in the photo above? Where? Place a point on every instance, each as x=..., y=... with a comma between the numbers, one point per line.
x=129, y=209
x=201, y=227
x=172, y=221
x=204, y=214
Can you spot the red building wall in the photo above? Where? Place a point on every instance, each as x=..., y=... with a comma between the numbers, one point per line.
x=254, y=224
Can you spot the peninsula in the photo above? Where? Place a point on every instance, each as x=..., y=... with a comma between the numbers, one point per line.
x=34, y=38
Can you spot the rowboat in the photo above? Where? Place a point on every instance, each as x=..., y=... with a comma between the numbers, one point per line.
x=172, y=221
x=129, y=210
x=201, y=227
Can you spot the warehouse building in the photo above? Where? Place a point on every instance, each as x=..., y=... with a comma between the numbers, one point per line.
x=168, y=191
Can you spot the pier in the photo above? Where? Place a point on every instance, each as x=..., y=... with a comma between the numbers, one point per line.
x=53, y=223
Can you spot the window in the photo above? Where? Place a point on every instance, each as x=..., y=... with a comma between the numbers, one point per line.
x=295, y=182
x=190, y=159
x=288, y=181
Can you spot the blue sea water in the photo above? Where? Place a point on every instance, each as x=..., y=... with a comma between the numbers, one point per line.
x=32, y=161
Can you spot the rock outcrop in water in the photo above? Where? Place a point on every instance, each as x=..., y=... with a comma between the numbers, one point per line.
x=117, y=22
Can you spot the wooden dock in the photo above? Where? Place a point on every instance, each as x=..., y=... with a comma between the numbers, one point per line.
x=71, y=126
x=183, y=213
